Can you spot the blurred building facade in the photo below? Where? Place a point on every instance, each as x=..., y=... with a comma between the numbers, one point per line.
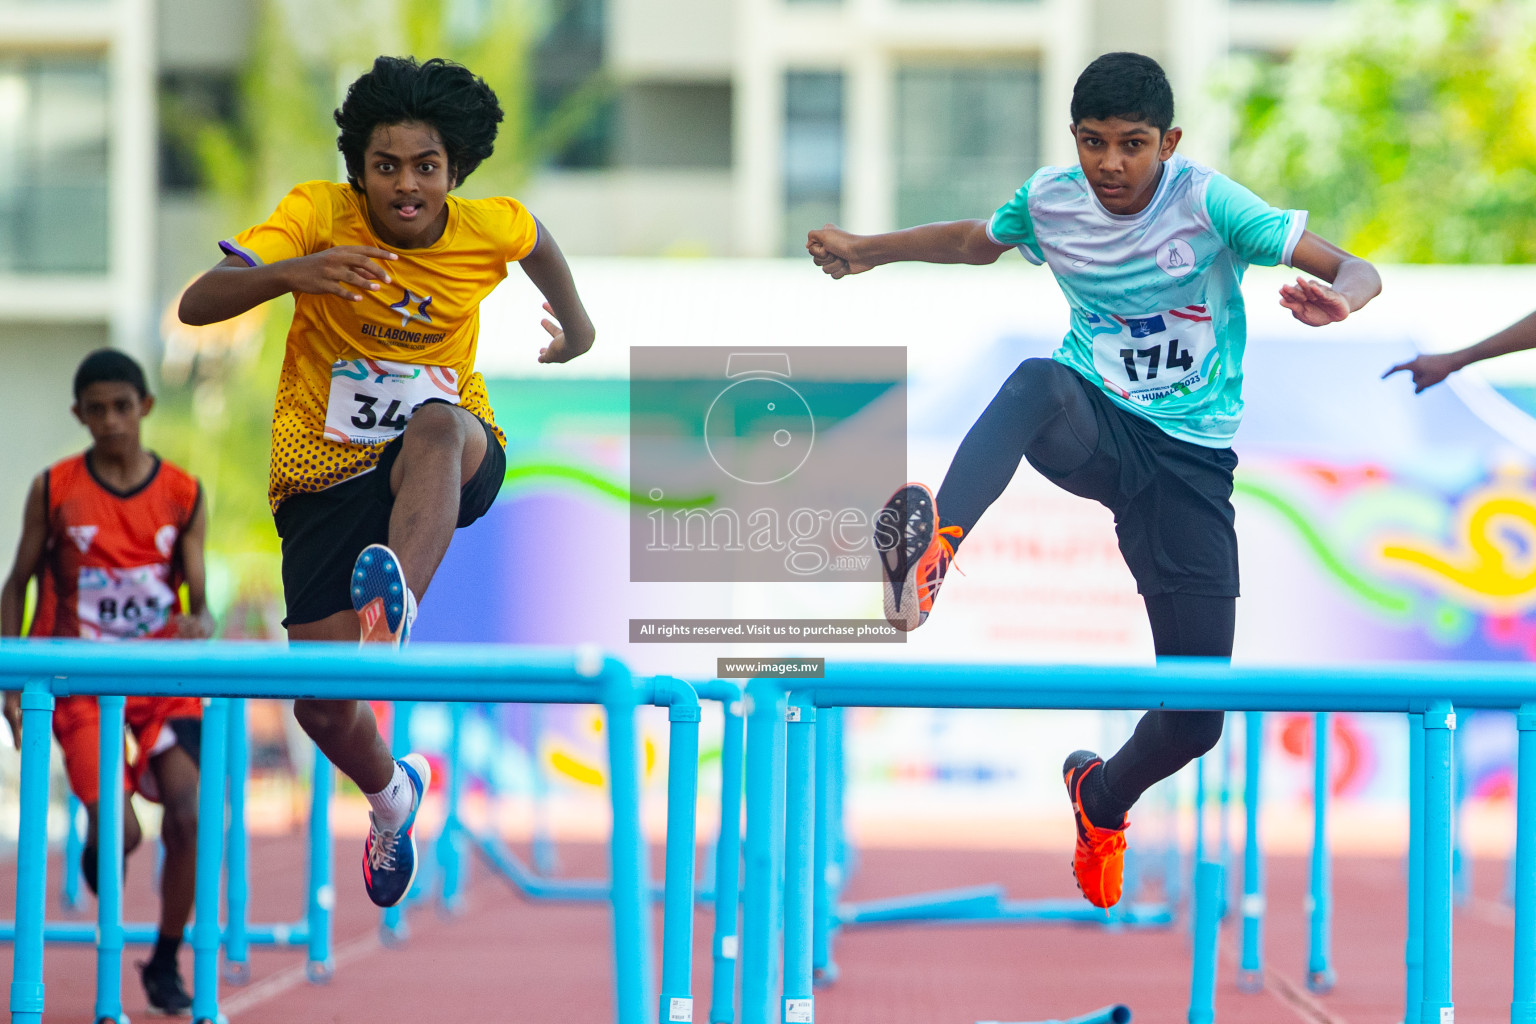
x=732, y=127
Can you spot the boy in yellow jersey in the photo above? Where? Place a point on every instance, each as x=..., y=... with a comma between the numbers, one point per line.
x=383, y=440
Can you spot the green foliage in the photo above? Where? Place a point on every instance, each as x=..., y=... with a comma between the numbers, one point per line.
x=1408, y=130
x=218, y=383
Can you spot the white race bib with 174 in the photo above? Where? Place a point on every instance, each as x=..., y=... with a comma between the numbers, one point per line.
x=1155, y=355
x=372, y=399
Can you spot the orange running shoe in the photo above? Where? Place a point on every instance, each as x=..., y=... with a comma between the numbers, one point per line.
x=915, y=553
x=1098, y=861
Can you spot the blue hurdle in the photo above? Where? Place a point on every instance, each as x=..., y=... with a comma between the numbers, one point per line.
x=45, y=669
x=781, y=795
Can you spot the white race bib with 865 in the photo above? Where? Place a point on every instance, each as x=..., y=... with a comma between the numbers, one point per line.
x=124, y=604
x=1155, y=355
x=372, y=399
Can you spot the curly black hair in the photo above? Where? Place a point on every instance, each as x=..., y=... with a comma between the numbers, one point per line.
x=445, y=95
x=1131, y=86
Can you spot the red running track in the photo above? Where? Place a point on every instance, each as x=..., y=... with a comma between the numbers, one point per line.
x=504, y=958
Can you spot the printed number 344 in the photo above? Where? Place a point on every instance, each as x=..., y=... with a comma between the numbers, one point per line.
x=367, y=416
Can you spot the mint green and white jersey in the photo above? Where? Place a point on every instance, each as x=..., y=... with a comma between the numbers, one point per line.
x=1157, y=305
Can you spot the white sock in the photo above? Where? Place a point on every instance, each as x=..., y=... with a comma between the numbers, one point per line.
x=392, y=805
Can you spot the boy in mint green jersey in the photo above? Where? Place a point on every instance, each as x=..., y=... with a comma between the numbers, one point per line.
x=1135, y=410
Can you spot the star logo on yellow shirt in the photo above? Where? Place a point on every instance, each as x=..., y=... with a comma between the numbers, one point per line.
x=403, y=307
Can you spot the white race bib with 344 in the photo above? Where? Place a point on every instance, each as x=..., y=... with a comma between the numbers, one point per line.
x=1155, y=355
x=123, y=604
x=372, y=399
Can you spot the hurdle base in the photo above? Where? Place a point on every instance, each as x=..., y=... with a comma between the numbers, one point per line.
x=1118, y=1013
x=1321, y=982
x=1250, y=980
x=823, y=976
x=984, y=904
x=236, y=972
x=320, y=972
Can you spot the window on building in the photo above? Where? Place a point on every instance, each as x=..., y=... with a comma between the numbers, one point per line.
x=53, y=165
x=567, y=63
x=813, y=153
x=966, y=137
x=674, y=125
x=188, y=101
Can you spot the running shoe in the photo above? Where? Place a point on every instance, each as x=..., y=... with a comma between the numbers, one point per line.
x=915, y=553
x=1098, y=861
x=164, y=991
x=389, y=855
x=380, y=598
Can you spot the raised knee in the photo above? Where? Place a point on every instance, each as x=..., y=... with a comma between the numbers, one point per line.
x=178, y=829
x=434, y=423
x=1036, y=380
x=1202, y=731
x=316, y=718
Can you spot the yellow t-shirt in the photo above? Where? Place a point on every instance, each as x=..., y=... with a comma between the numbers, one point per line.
x=428, y=314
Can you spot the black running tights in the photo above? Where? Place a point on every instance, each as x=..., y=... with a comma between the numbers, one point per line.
x=1190, y=625
x=1041, y=412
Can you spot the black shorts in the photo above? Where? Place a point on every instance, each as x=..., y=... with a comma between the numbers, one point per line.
x=324, y=532
x=1172, y=501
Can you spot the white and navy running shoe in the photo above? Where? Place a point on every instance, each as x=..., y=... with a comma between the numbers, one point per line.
x=380, y=597
x=389, y=855
x=915, y=553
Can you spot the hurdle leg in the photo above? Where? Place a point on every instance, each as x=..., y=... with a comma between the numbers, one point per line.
x=1522, y=1008
x=1439, y=798
x=1209, y=881
x=1461, y=859
x=682, y=825
x=722, y=999
x=318, y=966
x=449, y=850
x=545, y=857
x=1413, y=955
x=393, y=928
x=237, y=884
x=630, y=889
x=1250, y=972
x=824, y=866
x=74, y=843
x=109, y=863
x=31, y=854
x=799, y=839
x=210, y=861
x=1320, y=976
x=762, y=905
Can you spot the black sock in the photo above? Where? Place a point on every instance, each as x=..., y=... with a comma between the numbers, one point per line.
x=166, y=948
x=1103, y=807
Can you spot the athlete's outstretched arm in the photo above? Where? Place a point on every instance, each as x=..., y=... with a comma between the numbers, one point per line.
x=840, y=253
x=571, y=332
x=197, y=623
x=1354, y=280
x=1429, y=370
x=231, y=287
x=29, y=563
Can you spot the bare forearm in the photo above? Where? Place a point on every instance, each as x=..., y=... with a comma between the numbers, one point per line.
x=225, y=292
x=956, y=241
x=12, y=599
x=1358, y=281
x=1517, y=337
x=551, y=275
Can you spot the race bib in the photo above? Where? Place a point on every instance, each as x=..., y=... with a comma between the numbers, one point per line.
x=372, y=399
x=1156, y=355
x=123, y=604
